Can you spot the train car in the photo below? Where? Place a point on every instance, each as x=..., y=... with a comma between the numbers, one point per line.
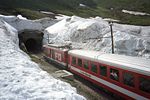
x=126, y=76
x=57, y=54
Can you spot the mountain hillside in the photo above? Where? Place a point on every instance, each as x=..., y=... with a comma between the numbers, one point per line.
x=136, y=5
x=45, y=4
x=104, y=8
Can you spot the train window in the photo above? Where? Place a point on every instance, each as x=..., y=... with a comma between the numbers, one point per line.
x=86, y=66
x=93, y=68
x=74, y=60
x=128, y=79
x=103, y=70
x=80, y=62
x=145, y=85
x=114, y=74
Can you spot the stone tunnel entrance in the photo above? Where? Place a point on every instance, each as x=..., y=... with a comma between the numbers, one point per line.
x=31, y=45
x=31, y=41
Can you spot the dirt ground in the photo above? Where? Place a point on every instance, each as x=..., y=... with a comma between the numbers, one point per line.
x=82, y=89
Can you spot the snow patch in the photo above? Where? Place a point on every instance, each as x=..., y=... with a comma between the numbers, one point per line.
x=46, y=12
x=82, y=5
x=21, y=17
x=22, y=79
x=135, y=13
x=61, y=17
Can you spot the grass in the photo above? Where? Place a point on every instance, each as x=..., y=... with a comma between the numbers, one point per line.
x=30, y=14
x=84, y=12
x=30, y=9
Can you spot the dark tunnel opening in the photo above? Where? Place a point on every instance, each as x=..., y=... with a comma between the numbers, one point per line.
x=31, y=41
x=32, y=46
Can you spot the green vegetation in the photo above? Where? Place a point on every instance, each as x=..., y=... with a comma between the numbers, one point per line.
x=30, y=13
x=103, y=8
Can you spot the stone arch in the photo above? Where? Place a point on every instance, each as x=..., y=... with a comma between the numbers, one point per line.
x=32, y=40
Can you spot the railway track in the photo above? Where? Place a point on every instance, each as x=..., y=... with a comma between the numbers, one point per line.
x=84, y=87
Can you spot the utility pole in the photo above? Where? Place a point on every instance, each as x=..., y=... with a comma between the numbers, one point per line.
x=48, y=38
x=112, y=37
x=110, y=22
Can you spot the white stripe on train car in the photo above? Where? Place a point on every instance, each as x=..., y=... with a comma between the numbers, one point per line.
x=113, y=86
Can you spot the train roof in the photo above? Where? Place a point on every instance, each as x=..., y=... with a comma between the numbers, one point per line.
x=135, y=64
x=57, y=47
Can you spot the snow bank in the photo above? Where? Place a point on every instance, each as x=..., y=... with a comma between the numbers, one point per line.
x=20, y=23
x=94, y=33
x=22, y=79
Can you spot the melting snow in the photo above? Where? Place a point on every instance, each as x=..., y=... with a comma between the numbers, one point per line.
x=82, y=5
x=22, y=79
x=135, y=13
x=45, y=12
x=94, y=33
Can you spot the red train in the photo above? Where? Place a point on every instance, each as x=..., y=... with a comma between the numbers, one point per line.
x=126, y=76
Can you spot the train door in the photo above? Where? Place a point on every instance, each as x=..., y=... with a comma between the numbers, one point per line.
x=53, y=54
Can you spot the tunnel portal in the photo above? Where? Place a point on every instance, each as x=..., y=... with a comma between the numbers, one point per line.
x=31, y=45
x=31, y=41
